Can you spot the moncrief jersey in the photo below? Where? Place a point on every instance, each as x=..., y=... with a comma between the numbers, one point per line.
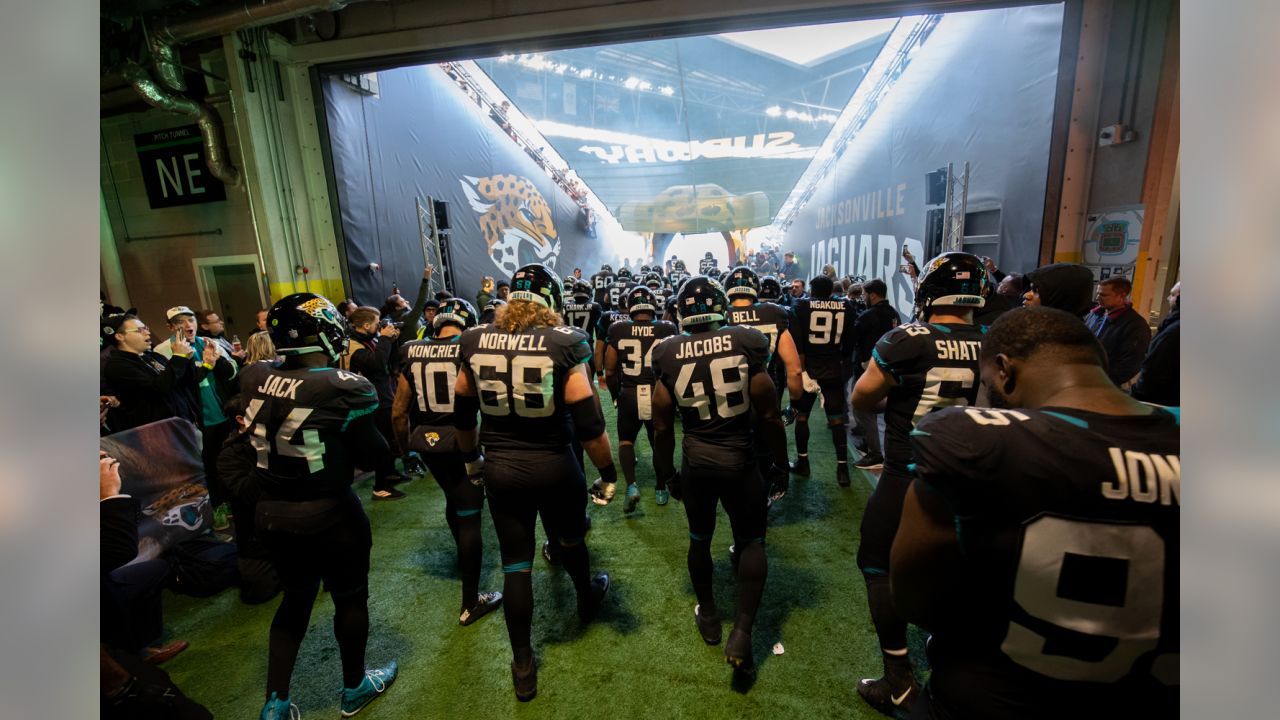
x=935, y=366
x=1069, y=548
x=431, y=368
x=298, y=418
x=600, y=283
x=771, y=320
x=634, y=341
x=707, y=266
x=520, y=379
x=823, y=331
x=584, y=316
x=709, y=376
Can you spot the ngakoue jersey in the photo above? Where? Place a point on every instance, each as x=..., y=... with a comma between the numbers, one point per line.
x=1069, y=542
x=634, y=342
x=823, y=331
x=431, y=369
x=709, y=376
x=935, y=366
x=584, y=316
x=298, y=420
x=770, y=319
x=520, y=379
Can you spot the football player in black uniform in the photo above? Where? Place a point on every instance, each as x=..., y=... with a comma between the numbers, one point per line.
x=920, y=367
x=708, y=265
x=618, y=290
x=528, y=377
x=823, y=330
x=715, y=375
x=311, y=424
x=1040, y=542
x=490, y=309
x=582, y=312
x=743, y=291
x=600, y=283
x=422, y=415
x=628, y=369
x=607, y=318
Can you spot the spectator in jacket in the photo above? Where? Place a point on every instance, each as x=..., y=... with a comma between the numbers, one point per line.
x=369, y=354
x=486, y=292
x=1121, y=330
x=790, y=268
x=878, y=319
x=1064, y=286
x=145, y=382
x=1158, y=382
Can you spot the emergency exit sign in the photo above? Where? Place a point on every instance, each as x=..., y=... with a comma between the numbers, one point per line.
x=173, y=168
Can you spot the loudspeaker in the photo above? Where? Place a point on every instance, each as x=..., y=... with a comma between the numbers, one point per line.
x=933, y=221
x=935, y=187
x=441, y=210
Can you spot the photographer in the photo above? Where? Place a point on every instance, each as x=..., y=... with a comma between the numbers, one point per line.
x=369, y=354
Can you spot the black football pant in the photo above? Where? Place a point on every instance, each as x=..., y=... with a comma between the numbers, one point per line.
x=462, y=505
x=879, y=526
x=212, y=438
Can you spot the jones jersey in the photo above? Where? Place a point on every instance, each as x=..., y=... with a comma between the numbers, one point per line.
x=520, y=379
x=823, y=331
x=298, y=418
x=431, y=369
x=771, y=320
x=600, y=283
x=634, y=342
x=1069, y=540
x=935, y=366
x=584, y=316
x=709, y=376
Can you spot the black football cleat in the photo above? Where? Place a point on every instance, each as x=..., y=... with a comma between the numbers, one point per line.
x=881, y=695
x=524, y=676
x=588, y=607
x=801, y=466
x=737, y=652
x=842, y=474
x=708, y=626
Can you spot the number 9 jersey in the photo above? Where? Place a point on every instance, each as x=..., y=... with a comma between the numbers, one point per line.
x=520, y=379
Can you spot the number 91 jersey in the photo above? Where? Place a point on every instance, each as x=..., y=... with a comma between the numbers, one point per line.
x=520, y=379
x=709, y=375
x=935, y=366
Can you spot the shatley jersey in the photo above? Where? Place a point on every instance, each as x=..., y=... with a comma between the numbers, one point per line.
x=431, y=368
x=584, y=316
x=520, y=379
x=770, y=319
x=634, y=342
x=935, y=366
x=1069, y=541
x=709, y=375
x=298, y=417
x=823, y=331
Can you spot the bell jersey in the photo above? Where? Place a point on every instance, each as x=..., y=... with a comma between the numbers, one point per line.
x=1068, y=529
x=935, y=366
x=708, y=375
x=771, y=320
x=520, y=379
x=299, y=423
x=584, y=316
x=634, y=342
x=431, y=368
x=823, y=331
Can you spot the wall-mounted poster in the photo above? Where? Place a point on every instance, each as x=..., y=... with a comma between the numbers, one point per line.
x=1111, y=240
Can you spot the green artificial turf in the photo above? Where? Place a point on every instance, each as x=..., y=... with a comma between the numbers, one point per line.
x=641, y=658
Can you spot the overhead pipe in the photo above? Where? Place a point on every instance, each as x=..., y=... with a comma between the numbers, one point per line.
x=247, y=14
x=215, y=143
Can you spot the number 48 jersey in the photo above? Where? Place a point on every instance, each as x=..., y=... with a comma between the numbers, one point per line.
x=935, y=366
x=634, y=342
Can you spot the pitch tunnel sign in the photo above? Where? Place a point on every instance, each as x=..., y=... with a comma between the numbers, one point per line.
x=174, y=170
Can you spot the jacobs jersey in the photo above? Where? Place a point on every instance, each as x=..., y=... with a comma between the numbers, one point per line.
x=709, y=376
x=823, y=331
x=771, y=320
x=431, y=369
x=297, y=419
x=1069, y=550
x=600, y=283
x=583, y=316
x=520, y=379
x=935, y=366
x=634, y=342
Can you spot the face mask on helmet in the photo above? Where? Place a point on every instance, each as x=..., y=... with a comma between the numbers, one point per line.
x=456, y=311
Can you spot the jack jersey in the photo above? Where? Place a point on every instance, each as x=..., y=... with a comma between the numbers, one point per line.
x=1069, y=542
x=709, y=376
x=520, y=379
x=771, y=320
x=823, y=331
x=431, y=369
x=584, y=316
x=299, y=420
x=634, y=342
x=935, y=366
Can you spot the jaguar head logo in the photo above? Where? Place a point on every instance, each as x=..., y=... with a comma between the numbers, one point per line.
x=515, y=221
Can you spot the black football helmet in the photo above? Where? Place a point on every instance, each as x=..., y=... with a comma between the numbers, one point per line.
x=456, y=311
x=708, y=255
x=606, y=268
x=653, y=281
x=954, y=278
x=640, y=299
x=493, y=305
x=581, y=292
x=645, y=270
x=700, y=301
x=536, y=283
x=624, y=274
x=742, y=280
x=770, y=288
x=304, y=323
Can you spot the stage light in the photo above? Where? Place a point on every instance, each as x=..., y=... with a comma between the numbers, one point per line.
x=631, y=83
x=585, y=73
x=791, y=114
x=667, y=90
x=646, y=85
x=773, y=111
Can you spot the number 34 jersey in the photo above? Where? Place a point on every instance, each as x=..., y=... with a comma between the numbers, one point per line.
x=634, y=342
x=1068, y=529
x=935, y=366
x=709, y=376
x=520, y=379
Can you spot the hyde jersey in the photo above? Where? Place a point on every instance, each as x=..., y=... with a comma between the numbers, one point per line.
x=823, y=331
x=584, y=316
x=708, y=375
x=771, y=320
x=298, y=418
x=520, y=379
x=935, y=366
x=1069, y=543
x=634, y=342
x=431, y=368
